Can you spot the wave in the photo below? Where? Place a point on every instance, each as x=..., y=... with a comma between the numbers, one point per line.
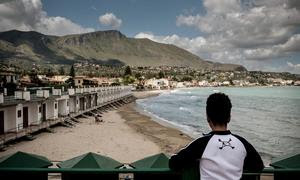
x=193, y=97
x=185, y=109
x=184, y=128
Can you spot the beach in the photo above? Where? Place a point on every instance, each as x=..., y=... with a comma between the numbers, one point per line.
x=125, y=135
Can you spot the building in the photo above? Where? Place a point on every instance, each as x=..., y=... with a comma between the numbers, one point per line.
x=78, y=80
x=25, y=113
x=157, y=83
x=8, y=77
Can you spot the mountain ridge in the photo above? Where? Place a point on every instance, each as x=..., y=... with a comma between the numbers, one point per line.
x=98, y=47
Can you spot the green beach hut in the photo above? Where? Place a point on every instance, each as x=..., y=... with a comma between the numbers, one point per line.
x=23, y=160
x=288, y=162
x=90, y=161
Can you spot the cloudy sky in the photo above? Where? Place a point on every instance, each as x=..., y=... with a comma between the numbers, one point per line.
x=259, y=34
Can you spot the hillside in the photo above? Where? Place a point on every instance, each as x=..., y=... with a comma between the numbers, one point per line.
x=103, y=47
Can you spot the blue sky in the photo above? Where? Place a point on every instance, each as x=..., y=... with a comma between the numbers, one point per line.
x=156, y=16
x=259, y=34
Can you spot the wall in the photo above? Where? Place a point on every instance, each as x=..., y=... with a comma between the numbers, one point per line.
x=52, y=112
x=74, y=104
x=19, y=120
x=34, y=116
x=63, y=107
x=9, y=118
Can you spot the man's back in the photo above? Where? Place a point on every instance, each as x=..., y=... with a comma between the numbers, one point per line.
x=219, y=155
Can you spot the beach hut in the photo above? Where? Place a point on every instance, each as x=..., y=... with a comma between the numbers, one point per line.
x=23, y=160
x=291, y=161
x=155, y=162
x=90, y=161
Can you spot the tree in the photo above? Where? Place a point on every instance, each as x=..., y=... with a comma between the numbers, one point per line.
x=50, y=73
x=127, y=71
x=72, y=72
x=62, y=70
x=128, y=80
x=161, y=74
x=138, y=75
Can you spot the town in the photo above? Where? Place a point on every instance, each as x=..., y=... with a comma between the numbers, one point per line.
x=139, y=78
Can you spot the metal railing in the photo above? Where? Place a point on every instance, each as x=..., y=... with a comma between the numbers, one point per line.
x=145, y=171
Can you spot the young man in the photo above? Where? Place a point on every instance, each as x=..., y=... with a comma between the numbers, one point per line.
x=219, y=155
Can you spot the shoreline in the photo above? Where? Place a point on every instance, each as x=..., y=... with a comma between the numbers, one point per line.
x=169, y=139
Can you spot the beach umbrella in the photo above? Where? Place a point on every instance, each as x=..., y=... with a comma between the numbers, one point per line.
x=288, y=161
x=291, y=161
x=156, y=161
x=90, y=160
x=24, y=160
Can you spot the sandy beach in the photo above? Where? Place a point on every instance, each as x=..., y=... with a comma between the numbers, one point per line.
x=125, y=135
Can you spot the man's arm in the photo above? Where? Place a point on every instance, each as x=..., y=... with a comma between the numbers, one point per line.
x=188, y=156
x=253, y=161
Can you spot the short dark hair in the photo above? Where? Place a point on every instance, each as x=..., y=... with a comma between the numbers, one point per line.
x=218, y=108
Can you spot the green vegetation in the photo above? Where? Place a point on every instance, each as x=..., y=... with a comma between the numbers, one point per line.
x=103, y=48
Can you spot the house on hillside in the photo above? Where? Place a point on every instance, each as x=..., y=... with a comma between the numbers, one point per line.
x=157, y=83
x=59, y=79
x=78, y=80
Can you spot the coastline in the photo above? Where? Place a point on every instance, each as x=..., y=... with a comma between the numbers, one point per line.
x=169, y=139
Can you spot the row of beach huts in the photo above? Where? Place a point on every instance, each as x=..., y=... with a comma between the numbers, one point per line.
x=30, y=111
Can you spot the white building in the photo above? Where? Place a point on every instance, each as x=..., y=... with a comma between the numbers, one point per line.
x=157, y=83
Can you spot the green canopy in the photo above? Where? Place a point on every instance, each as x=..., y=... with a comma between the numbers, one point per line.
x=90, y=160
x=24, y=160
x=288, y=161
x=155, y=161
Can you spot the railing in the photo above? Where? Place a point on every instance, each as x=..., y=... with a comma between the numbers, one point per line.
x=20, y=130
x=158, y=172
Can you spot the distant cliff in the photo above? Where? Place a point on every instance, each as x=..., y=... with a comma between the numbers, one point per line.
x=103, y=47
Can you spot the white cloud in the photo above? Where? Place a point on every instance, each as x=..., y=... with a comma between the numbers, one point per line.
x=28, y=15
x=293, y=65
x=259, y=27
x=247, y=32
x=109, y=19
x=221, y=6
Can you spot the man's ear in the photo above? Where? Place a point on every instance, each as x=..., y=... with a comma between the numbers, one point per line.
x=228, y=120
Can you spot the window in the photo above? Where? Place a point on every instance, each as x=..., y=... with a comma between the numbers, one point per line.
x=40, y=109
x=55, y=105
x=67, y=103
x=77, y=102
x=19, y=113
x=78, y=81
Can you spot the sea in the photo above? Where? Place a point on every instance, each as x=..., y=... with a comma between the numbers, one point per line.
x=268, y=117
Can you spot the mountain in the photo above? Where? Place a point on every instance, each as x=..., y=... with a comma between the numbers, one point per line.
x=103, y=47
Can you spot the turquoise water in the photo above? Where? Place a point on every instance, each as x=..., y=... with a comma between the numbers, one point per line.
x=268, y=117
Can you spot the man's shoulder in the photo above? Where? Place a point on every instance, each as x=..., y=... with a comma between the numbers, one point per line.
x=200, y=142
x=244, y=141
